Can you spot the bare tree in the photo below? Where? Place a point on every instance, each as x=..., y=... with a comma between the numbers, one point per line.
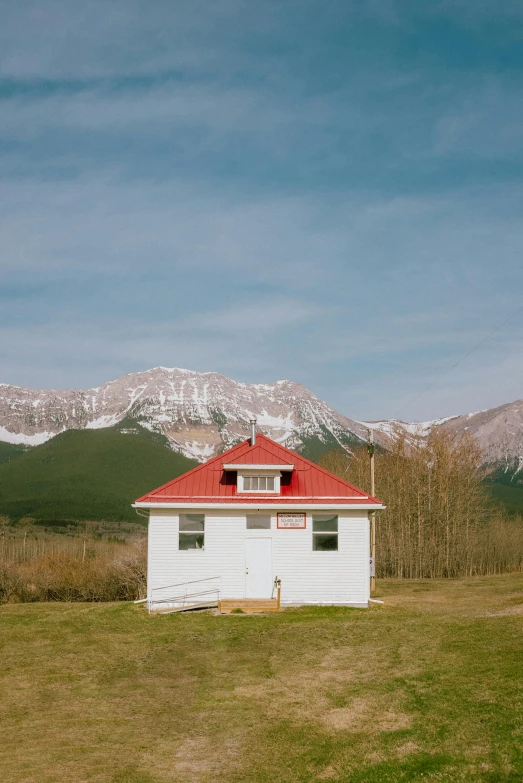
x=439, y=521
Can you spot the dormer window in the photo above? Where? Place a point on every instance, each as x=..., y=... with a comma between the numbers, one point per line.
x=258, y=483
x=262, y=479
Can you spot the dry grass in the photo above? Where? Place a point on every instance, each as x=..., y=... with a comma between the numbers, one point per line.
x=423, y=688
x=80, y=571
x=16, y=547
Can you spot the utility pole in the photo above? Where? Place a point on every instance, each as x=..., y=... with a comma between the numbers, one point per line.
x=372, y=516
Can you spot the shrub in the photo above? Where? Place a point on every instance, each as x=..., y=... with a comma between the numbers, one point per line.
x=63, y=576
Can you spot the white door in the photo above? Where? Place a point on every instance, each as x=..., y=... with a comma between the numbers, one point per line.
x=258, y=567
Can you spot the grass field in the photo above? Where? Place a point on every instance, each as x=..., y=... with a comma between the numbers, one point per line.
x=426, y=688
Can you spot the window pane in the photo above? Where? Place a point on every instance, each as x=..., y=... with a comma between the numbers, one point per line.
x=258, y=483
x=325, y=542
x=192, y=522
x=324, y=524
x=258, y=522
x=190, y=541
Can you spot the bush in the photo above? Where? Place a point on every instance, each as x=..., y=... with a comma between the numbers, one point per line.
x=65, y=577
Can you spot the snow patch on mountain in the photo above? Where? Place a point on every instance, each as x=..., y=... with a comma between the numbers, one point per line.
x=103, y=421
x=392, y=427
x=19, y=439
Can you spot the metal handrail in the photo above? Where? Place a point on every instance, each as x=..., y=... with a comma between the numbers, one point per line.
x=179, y=584
x=186, y=596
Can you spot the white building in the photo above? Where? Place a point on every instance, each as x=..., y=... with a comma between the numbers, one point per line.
x=231, y=527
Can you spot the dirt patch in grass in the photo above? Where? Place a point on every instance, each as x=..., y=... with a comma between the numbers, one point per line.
x=309, y=696
x=514, y=609
x=367, y=713
x=197, y=758
x=407, y=749
x=329, y=773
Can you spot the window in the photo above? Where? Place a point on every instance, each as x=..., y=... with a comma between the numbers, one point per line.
x=264, y=481
x=258, y=483
x=191, y=535
x=258, y=522
x=324, y=533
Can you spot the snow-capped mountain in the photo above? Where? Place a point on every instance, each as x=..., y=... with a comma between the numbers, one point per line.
x=499, y=431
x=204, y=413
x=391, y=428
x=199, y=413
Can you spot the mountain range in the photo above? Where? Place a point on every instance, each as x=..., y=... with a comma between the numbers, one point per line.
x=194, y=416
x=200, y=414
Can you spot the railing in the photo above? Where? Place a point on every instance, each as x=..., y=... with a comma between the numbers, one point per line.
x=186, y=596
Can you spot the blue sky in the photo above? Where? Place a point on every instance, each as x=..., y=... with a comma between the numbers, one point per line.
x=329, y=192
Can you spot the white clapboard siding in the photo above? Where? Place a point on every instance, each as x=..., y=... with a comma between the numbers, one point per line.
x=307, y=577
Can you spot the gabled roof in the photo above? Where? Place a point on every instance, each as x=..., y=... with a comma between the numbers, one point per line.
x=209, y=483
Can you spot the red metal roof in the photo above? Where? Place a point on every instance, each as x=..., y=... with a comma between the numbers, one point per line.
x=210, y=483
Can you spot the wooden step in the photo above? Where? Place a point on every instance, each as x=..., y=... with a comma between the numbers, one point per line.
x=249, y=605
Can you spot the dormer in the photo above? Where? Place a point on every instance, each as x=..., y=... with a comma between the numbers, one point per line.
x=258, y=479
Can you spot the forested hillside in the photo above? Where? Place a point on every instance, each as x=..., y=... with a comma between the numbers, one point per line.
x=87, y=474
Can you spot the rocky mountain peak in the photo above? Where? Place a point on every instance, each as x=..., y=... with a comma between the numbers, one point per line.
x=200, y=413
x=203, y=413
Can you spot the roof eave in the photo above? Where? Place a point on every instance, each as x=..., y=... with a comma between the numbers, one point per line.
x=273, y=506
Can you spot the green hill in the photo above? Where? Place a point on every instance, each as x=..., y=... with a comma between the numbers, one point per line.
x=87, y=474
x=509, y=495
x=9, y=451
x=505, y=485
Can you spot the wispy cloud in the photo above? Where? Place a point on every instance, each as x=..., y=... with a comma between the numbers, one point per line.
x=264, y=317
x=326, y=192
x=156, y=109
x=65, y=40
x=485, y=121
x=113, y=227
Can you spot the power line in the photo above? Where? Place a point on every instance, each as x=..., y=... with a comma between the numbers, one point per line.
x=462, y=359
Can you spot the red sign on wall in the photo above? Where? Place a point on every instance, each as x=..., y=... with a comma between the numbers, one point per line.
x=296, y=521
